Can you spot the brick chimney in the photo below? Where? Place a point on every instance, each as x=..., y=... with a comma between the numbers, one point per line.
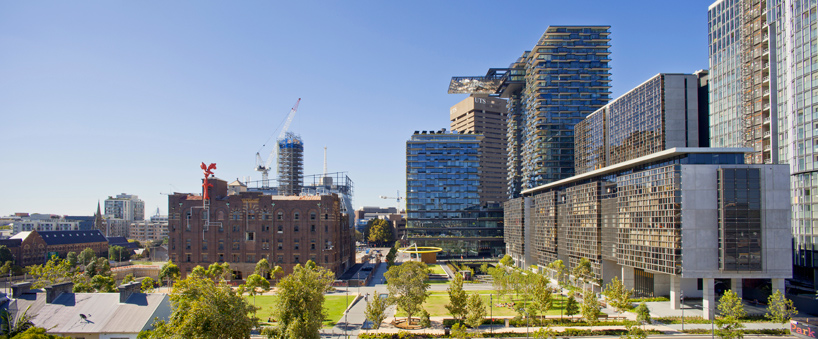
x=126, y=290
x=19, y=289
x=54, y=291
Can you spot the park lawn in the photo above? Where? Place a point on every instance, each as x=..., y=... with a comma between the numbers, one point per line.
x=334, y=305
x=436, y=305
x=435, y=269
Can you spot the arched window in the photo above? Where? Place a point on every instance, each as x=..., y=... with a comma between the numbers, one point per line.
x=296, y=216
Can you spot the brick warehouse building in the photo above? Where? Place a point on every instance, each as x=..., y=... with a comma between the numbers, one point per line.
x=244, y=227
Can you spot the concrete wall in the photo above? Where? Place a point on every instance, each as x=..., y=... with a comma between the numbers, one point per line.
x=700, y=223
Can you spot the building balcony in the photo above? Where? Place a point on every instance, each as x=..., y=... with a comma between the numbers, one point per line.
x=766, y=134
x=767, y=120
x=766, y=79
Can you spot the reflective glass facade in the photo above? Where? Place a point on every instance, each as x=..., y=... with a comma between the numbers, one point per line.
x=794, y=24
x=764, y=95
x=443, y=196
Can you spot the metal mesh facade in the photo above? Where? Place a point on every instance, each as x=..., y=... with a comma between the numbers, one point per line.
x=583, y=238
x=513, y=226
x=545, y=228
x=739, y=219
x=650, y=220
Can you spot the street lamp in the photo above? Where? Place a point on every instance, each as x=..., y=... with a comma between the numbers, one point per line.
x=682, y=305
x=491, y=307
x=526, y=324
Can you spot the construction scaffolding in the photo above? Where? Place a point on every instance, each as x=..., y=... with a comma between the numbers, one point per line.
x=290, y=164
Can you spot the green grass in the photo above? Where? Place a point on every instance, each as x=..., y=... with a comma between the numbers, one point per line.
x=334, y=305
x=435, y=269
x=436, y=305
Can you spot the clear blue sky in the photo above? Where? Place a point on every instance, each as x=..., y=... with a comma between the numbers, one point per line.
x=99, y=98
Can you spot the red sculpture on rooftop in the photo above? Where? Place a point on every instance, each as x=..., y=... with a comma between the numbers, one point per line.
x=208, y=171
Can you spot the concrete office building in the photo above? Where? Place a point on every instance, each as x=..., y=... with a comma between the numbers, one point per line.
x=42, y=222
x=443, y=198
x=763, y=97
x=664, y=217
x=561, y=80
x=481, y=114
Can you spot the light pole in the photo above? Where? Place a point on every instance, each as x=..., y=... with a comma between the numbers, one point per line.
x=526, y=324
x=491, y=307
x=346, y=313
x=682, y=305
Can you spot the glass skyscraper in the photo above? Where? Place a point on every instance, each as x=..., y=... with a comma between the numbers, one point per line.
x=443, y=196
x=764, y=95
x=550, y=88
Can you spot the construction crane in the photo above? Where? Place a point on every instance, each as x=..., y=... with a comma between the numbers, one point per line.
x=397, y=199
x=264, y=167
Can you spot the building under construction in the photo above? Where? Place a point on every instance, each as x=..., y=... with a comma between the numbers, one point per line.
x=290, y=164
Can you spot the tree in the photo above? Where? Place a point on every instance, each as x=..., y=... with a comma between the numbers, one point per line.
x=218, y=271
x=542, y=297
x=72, y=259
x=86, y=256
x=256, y=284
x=103, y=283
x=10, y=327
x=571, y=306
x=37, y=333
x=507, y=260
x=642, y=313
x=780, y=309
x=118, y=253
x=407, y=286
x=558, y=267
x=128, y=278
x=262, y=267
x=5, y=254
x=500, y=281
x=544, y=333
x=380, y=231
x=731, y=311
x=590, y=307
x=618, y=296
x=169, y=271
x=459, y=331
x=54, y=271
x=7, y=268
x=484, y=268
x=476, y=311
x=376, y=310
x=457, y=299
x=147, y=285
x=424, y=319
x=634, y=332
x=299, y=307
x=583, y=271
x=204, y=309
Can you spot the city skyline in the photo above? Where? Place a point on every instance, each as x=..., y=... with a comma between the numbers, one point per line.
x=104, y=99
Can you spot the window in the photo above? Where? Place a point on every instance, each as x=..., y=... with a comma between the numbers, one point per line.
x=221, y=228
x=221, y=257
x=187, y=244
x=312, y=215
x=204, y=244
x=251, y=258
x=280, y=244
x=235, y=258
x=235, y=228
x=296, y=259
x=188, y=257
x=295, y=228
x=204, y=257
x=250, y=236
x=220, y=215
x=280, y=215
x=296, y=216
x=312, y=228
x=280, y=259
x=326, y=259
x=326, y=229
x=221, y=244
x=312, y=246
x=280, y=229
x=236, y=244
